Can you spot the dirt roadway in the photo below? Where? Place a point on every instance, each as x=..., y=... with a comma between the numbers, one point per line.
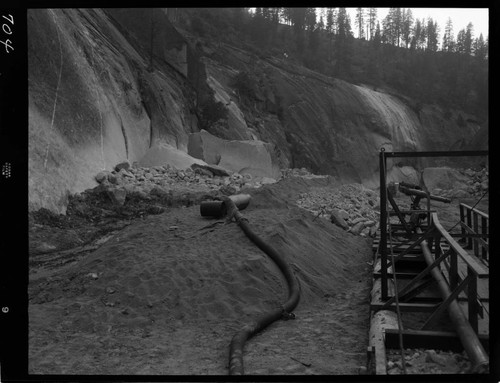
x=165, y=293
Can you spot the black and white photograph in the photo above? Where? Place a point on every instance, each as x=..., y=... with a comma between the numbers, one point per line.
x=276, y=191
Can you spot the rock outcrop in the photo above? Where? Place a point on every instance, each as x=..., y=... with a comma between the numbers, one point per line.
x=99, y=95
x=92, y=103
x=333, y=127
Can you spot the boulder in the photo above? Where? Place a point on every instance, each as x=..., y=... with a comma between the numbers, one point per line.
x=117, y=195
x=337, y=219
x=113, y=178
x=357, y=228
x=102, y=176
x=228, y=190
x=204, y=172
x=359, y=219
x=254, y=157
x=122, y=165
x=125, y=173
x=369, y=223
x=213, y=169
x=343, y=214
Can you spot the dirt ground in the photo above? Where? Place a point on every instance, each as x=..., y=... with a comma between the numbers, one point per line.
x=156, y=289
x=164, y=293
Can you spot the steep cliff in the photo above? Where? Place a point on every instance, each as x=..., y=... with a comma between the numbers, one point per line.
x=331, y=126
x=93, y=103
x=106, y=85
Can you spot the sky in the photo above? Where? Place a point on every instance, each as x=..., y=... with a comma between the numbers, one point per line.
x=460, y=17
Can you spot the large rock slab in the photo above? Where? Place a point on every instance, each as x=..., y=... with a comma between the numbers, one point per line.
x=164, y=154
x=245, y=157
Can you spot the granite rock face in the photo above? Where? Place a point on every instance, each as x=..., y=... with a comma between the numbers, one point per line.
x=112, y=106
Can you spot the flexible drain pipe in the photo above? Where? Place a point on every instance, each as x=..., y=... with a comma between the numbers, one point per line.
x=250, y=329
x=473, y=347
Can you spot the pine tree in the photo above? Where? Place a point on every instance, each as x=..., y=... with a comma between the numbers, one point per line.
x=275, y=14
x=329, y=19
x=360, y=17
x=392, y=26
x=310, y=19
x=469, y=34
x=372, y=20
x=460, y=45
x=407, y=27
x=286, y=15
x=448, y=39
x=321, y=23
x=480, y=49
x=266, y=13
x=398, y=24
x=422, y=37
x=377, y=37
x=388, y=28
x=432, y=35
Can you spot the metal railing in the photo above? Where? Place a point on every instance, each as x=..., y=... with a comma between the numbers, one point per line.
x=453, y=269
x=463, y=269
x=475, y=230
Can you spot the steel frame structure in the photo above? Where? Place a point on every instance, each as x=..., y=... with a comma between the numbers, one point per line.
x=383, y=156
x=443, y=256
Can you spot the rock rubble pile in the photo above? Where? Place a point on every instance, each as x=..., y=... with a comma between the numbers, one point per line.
x=126, y=180
x=351, y=207
x=477, y=183
x=421, y=361
x=455, y=183
x=302, y=172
